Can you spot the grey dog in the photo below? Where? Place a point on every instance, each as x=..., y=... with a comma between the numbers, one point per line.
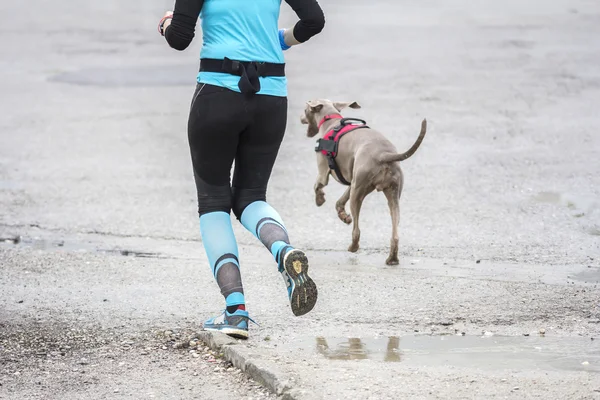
x=366, y=159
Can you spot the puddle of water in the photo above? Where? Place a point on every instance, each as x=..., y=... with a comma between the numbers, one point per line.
x=493, y=352
x=142, y=76
x=8, y=185
x=38, y=244
x=129, y=253
x=357, y=349
x=581, y=204
x=11, y=240
x=548, y=197
x=589, y=275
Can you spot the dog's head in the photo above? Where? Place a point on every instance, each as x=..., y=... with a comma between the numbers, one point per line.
x=316, y=110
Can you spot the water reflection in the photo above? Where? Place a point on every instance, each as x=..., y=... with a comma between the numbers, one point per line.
x=356, y=349
x=537, y=352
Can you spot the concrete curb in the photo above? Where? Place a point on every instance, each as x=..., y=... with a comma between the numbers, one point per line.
x=262, y=371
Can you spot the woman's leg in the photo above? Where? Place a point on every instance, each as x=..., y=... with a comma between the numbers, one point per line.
x=217, y=117
x=257, y=151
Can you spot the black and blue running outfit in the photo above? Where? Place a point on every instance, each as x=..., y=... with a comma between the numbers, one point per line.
x=239, y=113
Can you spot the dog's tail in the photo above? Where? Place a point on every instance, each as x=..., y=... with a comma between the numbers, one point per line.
x=387, y=158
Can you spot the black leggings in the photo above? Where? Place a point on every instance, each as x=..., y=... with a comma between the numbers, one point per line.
x=224, y=126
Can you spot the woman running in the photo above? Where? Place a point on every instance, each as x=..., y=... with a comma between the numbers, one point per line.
x=239, y=112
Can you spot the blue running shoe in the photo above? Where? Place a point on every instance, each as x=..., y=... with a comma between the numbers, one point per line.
x=302, y=290
x=234, y=325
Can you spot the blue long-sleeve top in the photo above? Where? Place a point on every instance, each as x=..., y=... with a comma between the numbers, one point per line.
x=244, y=30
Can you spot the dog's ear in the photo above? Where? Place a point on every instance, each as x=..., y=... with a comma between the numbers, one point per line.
x=340, y=105
x=315, y=106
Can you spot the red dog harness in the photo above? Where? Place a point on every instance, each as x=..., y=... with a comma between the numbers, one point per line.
x=328, y=145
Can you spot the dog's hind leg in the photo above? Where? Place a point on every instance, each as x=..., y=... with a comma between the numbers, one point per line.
x=340, y=206
x=392, y=193
x=357, y=196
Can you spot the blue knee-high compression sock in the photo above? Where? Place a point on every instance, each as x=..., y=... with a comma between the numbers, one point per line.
x=222, y=252
x=265, y=224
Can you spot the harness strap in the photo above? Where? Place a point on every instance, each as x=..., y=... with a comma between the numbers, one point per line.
x=248, y=71
x=329, y=117
x=328, y=145
x=333, y=166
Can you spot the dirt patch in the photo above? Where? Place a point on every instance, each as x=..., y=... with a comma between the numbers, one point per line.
x=70, y=361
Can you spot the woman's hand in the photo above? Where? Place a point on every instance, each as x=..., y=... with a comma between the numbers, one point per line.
x=165, y=21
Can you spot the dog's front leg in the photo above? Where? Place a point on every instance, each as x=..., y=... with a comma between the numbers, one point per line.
x=322, y=181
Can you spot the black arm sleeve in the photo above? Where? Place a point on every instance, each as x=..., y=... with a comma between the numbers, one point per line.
x=180, y=33
x=311, y=17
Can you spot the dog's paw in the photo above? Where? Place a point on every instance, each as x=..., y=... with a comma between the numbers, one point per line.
x=392, y=261
x=320, y=199
x=344, y=217
x=353, y=248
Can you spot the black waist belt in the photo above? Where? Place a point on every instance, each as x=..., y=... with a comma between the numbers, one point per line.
x=248, y=71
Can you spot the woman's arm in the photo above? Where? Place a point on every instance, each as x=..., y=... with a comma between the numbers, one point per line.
x=179, y=30
x=312, y=21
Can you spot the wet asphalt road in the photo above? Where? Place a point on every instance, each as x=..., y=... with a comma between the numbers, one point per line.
x=500, y=215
